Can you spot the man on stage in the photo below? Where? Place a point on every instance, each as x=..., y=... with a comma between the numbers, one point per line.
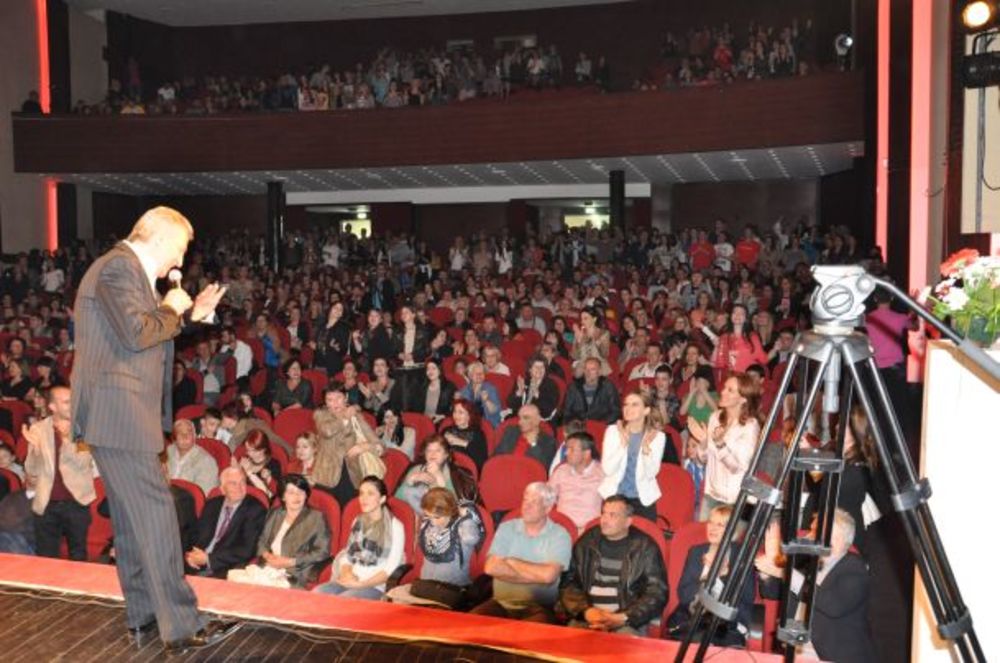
x=121, y=406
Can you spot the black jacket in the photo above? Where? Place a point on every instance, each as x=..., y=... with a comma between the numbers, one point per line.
x=606, y=406
x=421, y=342
x=840, y=631
x=642, y=589
x=239, y=544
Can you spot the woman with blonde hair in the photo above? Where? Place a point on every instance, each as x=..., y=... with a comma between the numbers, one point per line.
x=632, y=454
x=727, y=442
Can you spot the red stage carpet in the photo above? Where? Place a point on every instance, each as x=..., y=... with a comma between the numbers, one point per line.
x=379, y=619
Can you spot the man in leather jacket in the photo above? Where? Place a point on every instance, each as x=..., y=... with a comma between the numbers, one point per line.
x=616, y=581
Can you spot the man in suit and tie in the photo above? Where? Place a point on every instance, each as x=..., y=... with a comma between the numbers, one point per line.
x=121, y=406
x=228, y=529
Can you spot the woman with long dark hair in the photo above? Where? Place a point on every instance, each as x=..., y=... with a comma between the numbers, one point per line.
x=375, y=546
x=739, y=347
x=466, y=434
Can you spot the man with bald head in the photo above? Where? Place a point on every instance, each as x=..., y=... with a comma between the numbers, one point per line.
x=528, y=438
x=228, y=529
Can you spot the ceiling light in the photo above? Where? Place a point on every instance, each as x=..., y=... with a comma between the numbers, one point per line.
x=362, y=216
x=979, y=14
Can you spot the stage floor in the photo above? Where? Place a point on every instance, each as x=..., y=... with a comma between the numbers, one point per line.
x=59, y=610
x=43, y=626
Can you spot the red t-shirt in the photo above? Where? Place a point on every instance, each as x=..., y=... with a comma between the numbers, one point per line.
x=747, y=252
x=702, y=255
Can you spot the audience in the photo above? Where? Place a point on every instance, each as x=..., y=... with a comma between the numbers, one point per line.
x=599, y=297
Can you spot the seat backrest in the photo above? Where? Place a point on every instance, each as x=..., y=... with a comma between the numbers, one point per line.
x=319, y=380
x=194, y=490
x=504, y=385
x=190, y=412
x=674, y=436
x=464, y=461
x=326, y=504
x=396, y=463
x=683, y=540
x=675, y=508
x=291, y=423
x=504, y=479
x=421, y=424
x=218, y=449
x=99, y=532
x=13, y=481
x=199, y=385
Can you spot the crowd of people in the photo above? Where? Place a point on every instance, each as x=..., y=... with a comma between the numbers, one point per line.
x=432, y=76
x=614, y=365
x=719, y=54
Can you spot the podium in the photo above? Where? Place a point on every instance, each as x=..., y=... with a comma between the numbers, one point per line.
x=961, y=457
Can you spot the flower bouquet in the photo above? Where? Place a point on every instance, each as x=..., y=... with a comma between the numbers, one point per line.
x=969, y=295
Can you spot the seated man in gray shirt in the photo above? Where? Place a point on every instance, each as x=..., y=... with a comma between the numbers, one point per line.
x=526, y=559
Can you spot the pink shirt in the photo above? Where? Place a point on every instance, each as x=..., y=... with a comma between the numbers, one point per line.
x=577, y=493
x=885, y=331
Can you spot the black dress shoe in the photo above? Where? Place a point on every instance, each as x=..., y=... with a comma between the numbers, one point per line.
x=141, y=635
x=214, y=632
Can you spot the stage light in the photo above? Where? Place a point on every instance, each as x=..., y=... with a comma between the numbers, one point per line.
x=842, y=44
x=979, y=15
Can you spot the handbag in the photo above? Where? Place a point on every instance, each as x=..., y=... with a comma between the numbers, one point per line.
x=444, y=593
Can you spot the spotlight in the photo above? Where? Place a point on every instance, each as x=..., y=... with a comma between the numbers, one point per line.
x=842, y=45
x=979, y=15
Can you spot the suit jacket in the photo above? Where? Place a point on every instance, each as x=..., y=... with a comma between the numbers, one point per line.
x=307, y=540
x=75, y=465
x=239, y=544
x=840, y=621
x=123, y=343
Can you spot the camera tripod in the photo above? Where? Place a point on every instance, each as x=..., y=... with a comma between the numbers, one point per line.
x=820, y=356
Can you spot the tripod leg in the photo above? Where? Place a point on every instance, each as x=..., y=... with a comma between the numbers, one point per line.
x=910, y=502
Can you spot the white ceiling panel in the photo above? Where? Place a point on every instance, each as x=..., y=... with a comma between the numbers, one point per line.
x=798, y=162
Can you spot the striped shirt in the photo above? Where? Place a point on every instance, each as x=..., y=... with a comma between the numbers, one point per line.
x=603, y=592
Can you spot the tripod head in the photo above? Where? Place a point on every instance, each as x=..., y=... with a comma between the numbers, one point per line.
x=838, y=302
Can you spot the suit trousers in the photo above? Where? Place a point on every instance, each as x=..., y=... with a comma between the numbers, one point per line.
x=63, y=518
x=147, y=543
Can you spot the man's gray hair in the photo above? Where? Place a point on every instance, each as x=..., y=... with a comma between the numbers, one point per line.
x=845, y=522
x=543, y=490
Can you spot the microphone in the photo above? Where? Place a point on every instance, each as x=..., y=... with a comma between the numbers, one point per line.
x=174, y=278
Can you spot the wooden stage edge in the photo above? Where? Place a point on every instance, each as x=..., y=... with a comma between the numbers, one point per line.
x=305, y=609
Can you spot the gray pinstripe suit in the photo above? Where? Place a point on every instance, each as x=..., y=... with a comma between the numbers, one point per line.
x=121, y=406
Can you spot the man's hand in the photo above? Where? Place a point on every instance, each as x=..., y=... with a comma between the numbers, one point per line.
x=196, y=558
x=178, y=300
x=206, y=301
